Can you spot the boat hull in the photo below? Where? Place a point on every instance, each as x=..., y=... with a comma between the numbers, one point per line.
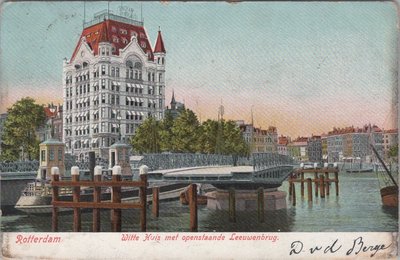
x=43, y=204
x=390, y=196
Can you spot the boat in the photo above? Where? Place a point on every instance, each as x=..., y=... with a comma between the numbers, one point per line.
x=389, y=187
x=36, y=198
x=201, y=199
x=354, y=170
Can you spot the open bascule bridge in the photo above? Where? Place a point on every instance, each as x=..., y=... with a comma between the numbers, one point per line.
x=244, y=175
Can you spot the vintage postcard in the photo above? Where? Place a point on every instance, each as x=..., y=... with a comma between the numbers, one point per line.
x=201, y=130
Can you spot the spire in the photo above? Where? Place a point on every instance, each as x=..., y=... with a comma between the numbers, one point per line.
x=173, y=98
x=159, y=43
x=104, y=33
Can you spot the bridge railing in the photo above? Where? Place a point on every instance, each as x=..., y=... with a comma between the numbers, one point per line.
x=19, y=166
x=262, y=161
x=184, y=160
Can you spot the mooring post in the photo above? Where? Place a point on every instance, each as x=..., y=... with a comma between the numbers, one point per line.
x=322, y=185
x=327, y=183
x=337, y=182
x=193, y=207
x=92, y=164
x=309, y=189
x=290, y=185
x=143, y=170
x=302, y=184
x=75, y=198
x=232, y=205
x=261, y=207
x=116, y=198
x=155, y=204
x=316, y=180
x=97, y=199
x=55, y=176
x=293, y=194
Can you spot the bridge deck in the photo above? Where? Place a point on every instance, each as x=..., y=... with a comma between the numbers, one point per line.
x=204, y=171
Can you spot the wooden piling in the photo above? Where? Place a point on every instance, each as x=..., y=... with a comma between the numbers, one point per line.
x=309, y=189
x=92, y=164
x=290, y=186
x=75, y=198
x=293, y=194
x=261, y=207
x=327, y=184
x=54, y=226
x=143, y=202
x=193, y=207
x=96, y=199
x=302, y=184
x=316, y=180
x=337, y=183
x=322, y=185
x=155, y=204
x=232, y=205
x=116, y=198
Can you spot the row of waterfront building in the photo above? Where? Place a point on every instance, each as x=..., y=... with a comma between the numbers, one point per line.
x=337, y=145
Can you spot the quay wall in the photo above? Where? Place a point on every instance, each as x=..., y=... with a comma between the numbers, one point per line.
x=12, y=184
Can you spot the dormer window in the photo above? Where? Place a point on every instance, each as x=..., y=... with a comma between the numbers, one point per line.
x=142, y=35
x=123, y=31
x=115, y=39
x=143, y=44
x=125, y=41
x=113, y=29
x=133, y=33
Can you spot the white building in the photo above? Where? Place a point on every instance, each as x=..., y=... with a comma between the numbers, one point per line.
x=113, y=81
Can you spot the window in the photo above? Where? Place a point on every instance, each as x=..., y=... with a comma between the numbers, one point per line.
x=103, y=83
x=103, y=69
x=113, y=29
x=117, y=72
x=51, y=154
x=112, y=72
x=60, y=152
x=43, y=155
x=143, y=44
x=160, y=77
x=103, y=98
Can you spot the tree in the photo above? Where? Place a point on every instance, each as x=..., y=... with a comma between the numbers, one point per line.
x=222, y=137
x=186, y=132
x=393, y=151
x=233, y=141
x=19, y=136
x=147, y=138
x=166, y=132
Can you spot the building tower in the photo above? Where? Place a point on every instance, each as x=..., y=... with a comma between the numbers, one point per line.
x=113, y=81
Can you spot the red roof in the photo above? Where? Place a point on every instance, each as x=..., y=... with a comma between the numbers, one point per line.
x=118, y=34
x=283, y=140
x=390, y=131
x=49, y=113
x=159, y=44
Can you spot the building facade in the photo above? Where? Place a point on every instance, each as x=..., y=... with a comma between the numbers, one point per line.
x=390, y=139
x=314, y=148
x=282, y=146
x=354, y=142
x=298, y=149
x=259, y=140
x=113, y=81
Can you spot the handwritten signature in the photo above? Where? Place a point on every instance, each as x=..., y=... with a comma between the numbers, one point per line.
x=297, y=247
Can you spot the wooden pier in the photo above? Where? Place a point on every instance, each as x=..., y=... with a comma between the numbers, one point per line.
x=115, y=205
x=321, y=180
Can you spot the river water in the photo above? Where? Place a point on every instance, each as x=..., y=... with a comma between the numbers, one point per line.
x=358, y=208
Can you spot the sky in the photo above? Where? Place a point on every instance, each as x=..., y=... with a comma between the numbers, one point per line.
x=304, y=67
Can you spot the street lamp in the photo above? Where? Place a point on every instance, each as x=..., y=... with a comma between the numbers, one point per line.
x=119, y=125
x=52, y=109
